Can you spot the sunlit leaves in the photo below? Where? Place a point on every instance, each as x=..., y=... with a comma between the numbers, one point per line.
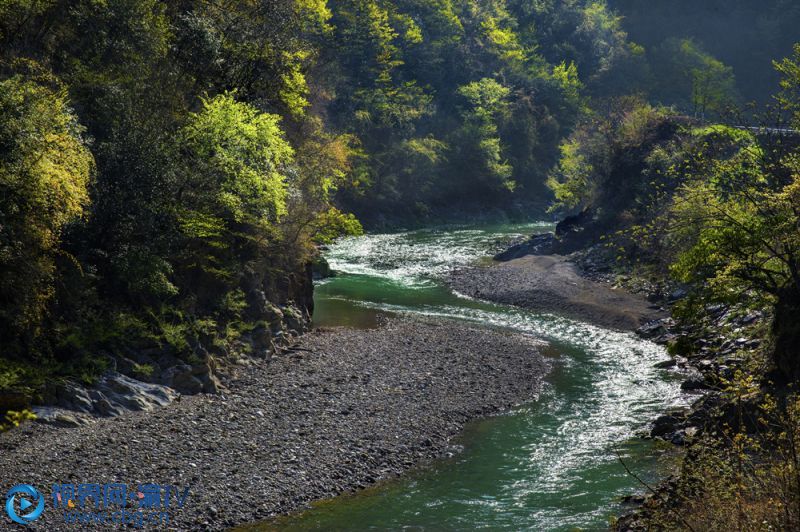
x=45, y=170
x=570, y=181
x=789, y=69
x=240, y=156
x=487, y=105
x=697, y=81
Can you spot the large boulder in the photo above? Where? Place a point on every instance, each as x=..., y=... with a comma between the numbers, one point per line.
x=575, y=223
x=182, y=378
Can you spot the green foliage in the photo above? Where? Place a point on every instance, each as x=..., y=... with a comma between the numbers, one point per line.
x=693, y=79
x=789, y=69
x=334, y=223
x=735, y=226
x=238, y=162
x=713, y=205
x=158, y=160
x=186, y=209
x=609, y=161
x=488, y=84
x=17, y=374
x=45, y=170
x=487, y=105
x=143, y=370
x=746, y=35
x=14, y=418
x=570, y=182
x=744, y=474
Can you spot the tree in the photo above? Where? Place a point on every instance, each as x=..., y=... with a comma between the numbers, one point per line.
x=45, y=169
x=607, y=163
x=481, y=148
x=238, y=161
x=737, y=230
x=692, y=78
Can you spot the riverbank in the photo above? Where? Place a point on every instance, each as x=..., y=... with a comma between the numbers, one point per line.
x=337, y=412
x=553, y=284
x=717, y=345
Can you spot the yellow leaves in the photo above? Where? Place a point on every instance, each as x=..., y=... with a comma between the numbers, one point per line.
x=791, y=193
x=408, y=28
x=294, y=87
x=333, y=223
x=43, y=187
x=570, y=181
x=14, y=418
x=741, y=384
x=65, y=168
x=567, y=77
x=315, y=13
x=487, y=96
x=294, y=91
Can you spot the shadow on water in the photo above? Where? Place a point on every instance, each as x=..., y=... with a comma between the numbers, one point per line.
x=551, y=464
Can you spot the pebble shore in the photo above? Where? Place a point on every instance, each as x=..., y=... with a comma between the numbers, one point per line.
x=338, y=412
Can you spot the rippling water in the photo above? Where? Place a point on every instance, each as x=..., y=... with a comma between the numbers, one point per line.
x=551, y=464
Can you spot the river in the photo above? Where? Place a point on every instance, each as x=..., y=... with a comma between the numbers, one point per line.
x=550, y=464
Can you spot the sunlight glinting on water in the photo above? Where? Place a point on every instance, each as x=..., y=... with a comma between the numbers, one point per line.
x=394, y=256
x=626, y=388
x=608, y=388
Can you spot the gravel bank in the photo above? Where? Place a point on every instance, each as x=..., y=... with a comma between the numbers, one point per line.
x=549, y=283
x=346, y=408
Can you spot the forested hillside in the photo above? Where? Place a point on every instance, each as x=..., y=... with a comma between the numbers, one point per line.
x=161, y=183
x=170, y=170
x=167, y=168
x=746, y=35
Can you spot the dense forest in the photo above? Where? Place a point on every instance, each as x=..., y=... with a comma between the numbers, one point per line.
x=168, y=167
x=168, y=170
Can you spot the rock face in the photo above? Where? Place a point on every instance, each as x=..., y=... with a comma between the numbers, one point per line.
x=573, y=234
x=575, y=224
x=154, y=375
x=537, y=245
x=70, y=403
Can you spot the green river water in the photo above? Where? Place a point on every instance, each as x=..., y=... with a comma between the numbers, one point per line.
x=551, y=464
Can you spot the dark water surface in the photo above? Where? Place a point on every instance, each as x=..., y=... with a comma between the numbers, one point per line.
x=551, y=464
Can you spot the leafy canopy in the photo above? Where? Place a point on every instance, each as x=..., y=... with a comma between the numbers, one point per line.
x=45, y=169
x=240, y=160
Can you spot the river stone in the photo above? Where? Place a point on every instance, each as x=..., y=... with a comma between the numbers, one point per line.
x=538, y=244
x=182, y=378
x=403, y=398
x=693, y=384
x=60, y=417
x=293, y=318
x=667, y=364
x=668, y=423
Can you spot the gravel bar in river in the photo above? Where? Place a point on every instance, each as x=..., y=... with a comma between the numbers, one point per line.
x=552, y=284
x=349, y=407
